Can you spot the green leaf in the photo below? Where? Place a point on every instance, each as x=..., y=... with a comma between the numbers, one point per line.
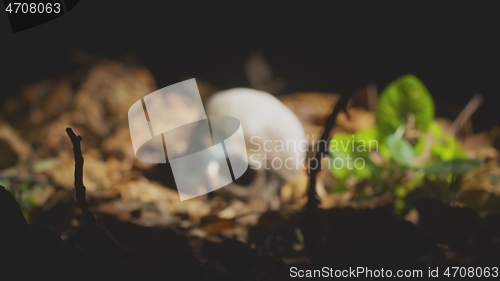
x=400, y=191
x=448, y=149
x=435, y=129
x=401, y=150
x=399, y=205
x=405, y=95
x=299, y=235
x=447, y=146
x=418, y=148
x=339, y=186
x=452, y=167
x=351, y=155
x=369, y=137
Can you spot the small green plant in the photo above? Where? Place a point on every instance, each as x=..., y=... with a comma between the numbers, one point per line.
x=405, y=147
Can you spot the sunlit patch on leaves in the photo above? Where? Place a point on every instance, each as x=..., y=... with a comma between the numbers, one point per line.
x=350, y=155
x=447, y=147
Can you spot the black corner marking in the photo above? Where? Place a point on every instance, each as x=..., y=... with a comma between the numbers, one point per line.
x=23, y=15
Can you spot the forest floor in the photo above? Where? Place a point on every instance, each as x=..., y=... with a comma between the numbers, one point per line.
x=142, y=229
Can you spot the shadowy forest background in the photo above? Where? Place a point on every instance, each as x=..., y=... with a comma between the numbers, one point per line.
x=314, y=47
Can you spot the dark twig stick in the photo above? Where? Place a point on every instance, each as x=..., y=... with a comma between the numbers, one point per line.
x=80, y=196
x=79, y=187
x=314, y=163
x=311, y=231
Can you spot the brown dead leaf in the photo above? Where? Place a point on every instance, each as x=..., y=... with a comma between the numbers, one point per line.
x=311, y=108
x=110, y=88
x=135, y=211
x=53, y=102
x=360, y=119
x=336, y=200
x=51, y=140
x=41, y=196
x=97, y=174
x=13, y=149
x=94, y=110
x=167, y=200
x=119, y=144
x=480, y=146
x=17, y=109
x=485, y=177
x=412, y=216
x=215, y=225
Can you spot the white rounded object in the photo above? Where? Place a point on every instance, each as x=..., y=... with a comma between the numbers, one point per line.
x=274, y=137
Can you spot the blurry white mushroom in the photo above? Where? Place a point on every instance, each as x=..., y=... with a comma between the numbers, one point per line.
x=274, y=137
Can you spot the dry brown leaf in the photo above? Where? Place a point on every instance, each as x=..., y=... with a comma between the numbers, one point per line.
x=97, y=174
x=480, y=146
x=17, y=109
x=41, y=196
x=119, y=144
x=336, y=200
x=53, y=102
x=113, y=87
x=13, y=149
x=135, y=211
x=167, y=200
x=360, y=119
x=412, y=216
x=214, y=225
x=94, y=110
x=485, y=177
x=310, y=107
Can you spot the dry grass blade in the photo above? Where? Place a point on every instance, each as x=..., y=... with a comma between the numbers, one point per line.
x=466, y=113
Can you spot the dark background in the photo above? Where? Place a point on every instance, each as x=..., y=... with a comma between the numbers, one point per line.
x=452, y=48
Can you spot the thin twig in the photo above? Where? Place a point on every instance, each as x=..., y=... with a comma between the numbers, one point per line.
x=79, y=187
x=311, y=228
x=312, y=171
x=465, y=114
x=111, y=241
